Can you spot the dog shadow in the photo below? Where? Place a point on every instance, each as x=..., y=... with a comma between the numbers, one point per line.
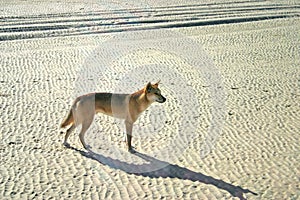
x=164, y=170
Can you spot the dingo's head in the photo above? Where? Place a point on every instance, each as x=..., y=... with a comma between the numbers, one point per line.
x=153, y=93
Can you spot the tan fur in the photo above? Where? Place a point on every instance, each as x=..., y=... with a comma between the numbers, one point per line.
x=124, y=106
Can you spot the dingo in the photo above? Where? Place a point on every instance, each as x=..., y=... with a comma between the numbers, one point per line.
x=124, y=106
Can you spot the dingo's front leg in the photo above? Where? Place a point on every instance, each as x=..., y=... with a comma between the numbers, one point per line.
x=129, y=126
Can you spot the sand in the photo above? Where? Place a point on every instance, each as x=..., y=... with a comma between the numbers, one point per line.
x=228, y=130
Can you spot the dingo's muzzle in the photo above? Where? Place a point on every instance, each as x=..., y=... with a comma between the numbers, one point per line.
x=161, y=99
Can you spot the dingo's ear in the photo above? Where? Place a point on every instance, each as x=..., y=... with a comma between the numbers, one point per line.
x=148, y=87
x=156, y=84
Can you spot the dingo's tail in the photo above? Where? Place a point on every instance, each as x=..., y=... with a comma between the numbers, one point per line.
x=68, y=120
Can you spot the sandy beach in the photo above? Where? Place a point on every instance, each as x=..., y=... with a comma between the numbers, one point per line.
x=228, y=130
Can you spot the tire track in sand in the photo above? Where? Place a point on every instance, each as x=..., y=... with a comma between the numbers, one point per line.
x=119, y=20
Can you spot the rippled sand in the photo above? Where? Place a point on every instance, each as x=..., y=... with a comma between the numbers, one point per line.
x=229, y=128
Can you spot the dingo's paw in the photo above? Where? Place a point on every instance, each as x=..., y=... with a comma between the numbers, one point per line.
x=87, y=147
x=67, y=145
x=131, y=150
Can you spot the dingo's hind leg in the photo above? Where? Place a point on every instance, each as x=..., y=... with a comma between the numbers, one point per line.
x=69, y=131
x=85, y=126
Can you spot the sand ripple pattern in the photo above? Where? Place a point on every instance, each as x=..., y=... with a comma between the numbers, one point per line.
x=133, y=19
x=257, y=152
